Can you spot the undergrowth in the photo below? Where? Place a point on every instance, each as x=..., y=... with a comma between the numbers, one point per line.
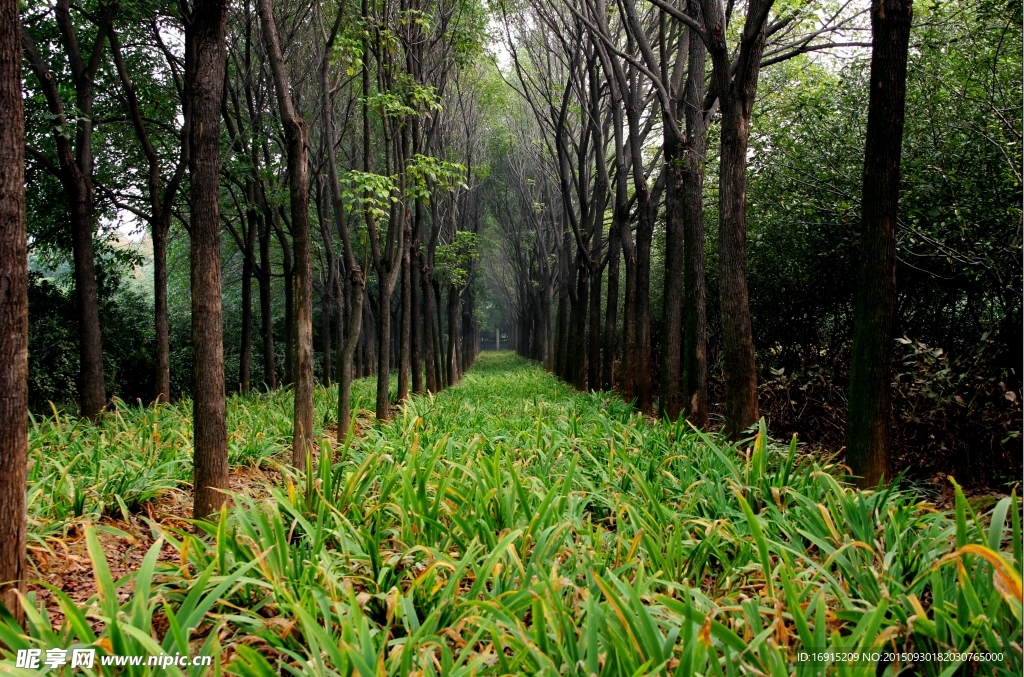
x=513, y=526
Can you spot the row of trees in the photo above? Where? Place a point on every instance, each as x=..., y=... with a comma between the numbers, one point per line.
x=602, y=80
x=330, y=145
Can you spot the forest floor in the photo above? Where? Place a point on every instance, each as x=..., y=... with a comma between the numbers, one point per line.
x=507, y=525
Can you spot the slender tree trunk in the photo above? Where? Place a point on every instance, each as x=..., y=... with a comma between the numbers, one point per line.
x=867, y=432
x=245, y=351
x=670, y=395
x=611, y=308
x=453, y=335
x=162, y=385
x=13, y=317
x=91, y=386
x=440, y=345
x=416, y=288
x=266, y=309
x=629, y=361
x=594, y=332
x=383, y=404
x=579, y=331
x=429, y=335
x=405, y=315
x=204, y=87
x=694, y=393
x=295, y=133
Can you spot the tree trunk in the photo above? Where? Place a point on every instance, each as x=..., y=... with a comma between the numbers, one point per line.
x=429, y=335
x=266, y=310
x=611, y=310
x=245, y=351
x=867, y=432
x=92, y=392
x=736, y=84
x=694, y=393
x=644, y=371
x=295, y=134
x=13, y=317
x=578, y=339
x=670, y=391
x=76, y=169
x=594, y=332
x=453, y=335
x=417, y=313
x=405, y=315
x=162, y=385
x=204, y=87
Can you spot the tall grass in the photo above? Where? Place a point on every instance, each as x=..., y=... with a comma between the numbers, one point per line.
x=510, y=525
x=79, y=470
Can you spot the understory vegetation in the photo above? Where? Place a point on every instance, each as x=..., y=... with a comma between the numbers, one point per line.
x=511, y=524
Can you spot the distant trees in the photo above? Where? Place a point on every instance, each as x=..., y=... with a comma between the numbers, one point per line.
x=592, y=75
x=13, y=316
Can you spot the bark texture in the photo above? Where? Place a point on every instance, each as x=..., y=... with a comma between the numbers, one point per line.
x=736, y=87
x=694, y=391
x=868, y=421
x=205, y=62
x=13, y=316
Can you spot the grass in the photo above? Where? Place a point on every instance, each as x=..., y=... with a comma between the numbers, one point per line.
x=513, y=526
x=82, y=470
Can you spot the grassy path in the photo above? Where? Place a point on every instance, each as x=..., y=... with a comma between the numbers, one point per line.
x=511, y=525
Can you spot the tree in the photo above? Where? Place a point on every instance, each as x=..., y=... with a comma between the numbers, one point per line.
x=348, y=327
x=161, y=205
x=13, y=316
x=74, y=168
x=206, y=57
x=868, y=421
x=296, y=135
x=735, y=84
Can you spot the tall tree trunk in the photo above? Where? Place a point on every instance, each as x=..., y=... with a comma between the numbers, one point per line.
x=405, y=318
x=627, y=375
x=354, y=281
x=327, y=297
x=295, y=135
x=453, y=335
x=867, y=432
x=13, y=317
x=611, y=308
x=91, y=385
x=644, y=238
x=694, y=393
x=594, y=331
x=416, y=312
x=266, y=309
x=429, y=335
x=245, y=351
x=288, y=273
x=162, y=382
x=736, y=85
x=440, y=345
x=670, y=391
x=578, y=339
x=206, y=59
